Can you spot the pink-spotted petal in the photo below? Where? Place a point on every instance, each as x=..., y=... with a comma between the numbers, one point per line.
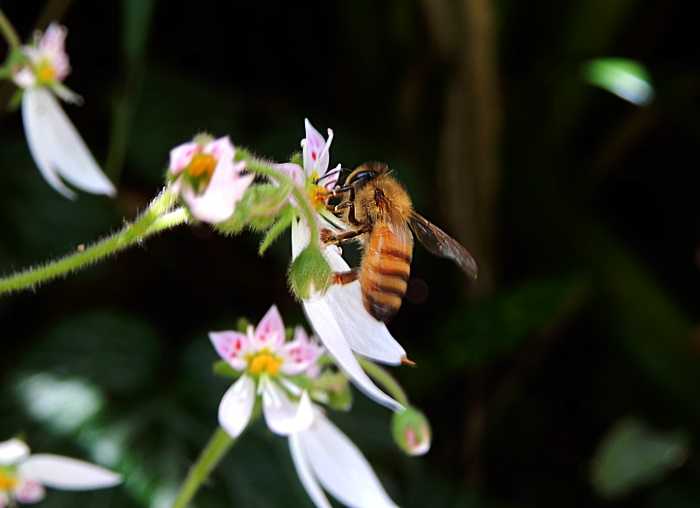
x=181, y=156
x=52, y=47
x=237, y=405
x=299, y=354
x=231, y=346
x=226, y=188
x=315, y=150
x=29, y=491
x=270, y=330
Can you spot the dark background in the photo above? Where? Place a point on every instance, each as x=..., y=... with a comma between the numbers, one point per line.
x=578, y=340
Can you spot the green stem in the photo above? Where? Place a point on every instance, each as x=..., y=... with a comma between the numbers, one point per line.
x=9, y=32
x=382, y=376
x=261, y=167
x=156, y=218
x=219, y=443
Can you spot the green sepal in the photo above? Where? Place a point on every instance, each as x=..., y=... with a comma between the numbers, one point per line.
x=297, y=158
x=288, y=333
x=242, y=324
x=258, y=209
x=222, y=368
x=15, y=100
x=336, y=386
x=280, y=226
x=309, y=272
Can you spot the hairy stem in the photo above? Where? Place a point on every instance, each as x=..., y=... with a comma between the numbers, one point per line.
x=262, y=167
x=156, y=218
x=386, y=380
x=9, y=32
x=219, y=443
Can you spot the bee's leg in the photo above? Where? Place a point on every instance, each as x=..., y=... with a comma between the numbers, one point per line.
x=329, y=237
x=339, y=206
x=342, y=278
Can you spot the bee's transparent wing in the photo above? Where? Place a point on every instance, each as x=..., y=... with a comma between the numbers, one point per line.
x=441, y=244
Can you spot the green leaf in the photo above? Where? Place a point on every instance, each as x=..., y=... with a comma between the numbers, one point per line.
x=627, y=79
x=632, y=456
x=283, y=222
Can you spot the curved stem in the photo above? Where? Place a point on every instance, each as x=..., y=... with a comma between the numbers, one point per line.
x=153, y=220
x=382, y=376
x=9, y=32
x=261, y=167
x=219, y=443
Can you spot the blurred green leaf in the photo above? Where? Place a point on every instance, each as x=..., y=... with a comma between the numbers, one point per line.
x=116, y=351
x=625, y=78
x=498, y=325
x=632, y=456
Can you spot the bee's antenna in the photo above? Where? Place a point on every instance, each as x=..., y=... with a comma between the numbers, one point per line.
x=331, y=173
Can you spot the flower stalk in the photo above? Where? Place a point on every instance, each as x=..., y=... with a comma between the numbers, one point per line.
x=9, y=32
x=261, y=167
x=386, y=380
x=157, y=217
x=216, y=448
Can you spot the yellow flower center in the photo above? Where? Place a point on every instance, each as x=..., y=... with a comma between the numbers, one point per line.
x=8, y=481
x=317, y=193
x=202, y=164
x=264, y=362
x=45, y=73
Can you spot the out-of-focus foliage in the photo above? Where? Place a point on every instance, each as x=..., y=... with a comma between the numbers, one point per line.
x=586, y=206
x=632, y=456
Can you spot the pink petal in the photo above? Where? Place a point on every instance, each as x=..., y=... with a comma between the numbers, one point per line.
x=294, y=171
x=52, y=47
x=221, y=149
x=225, y=189
x=231, y=346
x=270, y=330
x=300, y=354
x=30, y=491
x=315, y=150
x=181, y=156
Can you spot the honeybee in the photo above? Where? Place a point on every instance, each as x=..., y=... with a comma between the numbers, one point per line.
x=378, y=212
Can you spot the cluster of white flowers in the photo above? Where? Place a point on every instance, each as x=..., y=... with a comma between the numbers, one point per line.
x=283, y=375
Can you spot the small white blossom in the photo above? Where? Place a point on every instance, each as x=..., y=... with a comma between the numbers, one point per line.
x=23, y=477
x=57, y=148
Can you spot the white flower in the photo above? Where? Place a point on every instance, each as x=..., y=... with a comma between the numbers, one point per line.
x=325, y=457
x=338, y=315
x=207, y=178
x=267, y=363
x=23, y=477
x=57, y=148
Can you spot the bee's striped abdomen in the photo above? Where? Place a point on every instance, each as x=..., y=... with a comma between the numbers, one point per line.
x=386, y=266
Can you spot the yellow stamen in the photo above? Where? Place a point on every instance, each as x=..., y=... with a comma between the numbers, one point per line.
x=8, y=482
x=45, y=73
x=202, y=164
x=264, y=362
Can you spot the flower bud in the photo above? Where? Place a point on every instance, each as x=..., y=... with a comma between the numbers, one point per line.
x=309, y=272
x=411, y=431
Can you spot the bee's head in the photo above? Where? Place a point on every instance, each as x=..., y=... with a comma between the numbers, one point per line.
x=367, y=172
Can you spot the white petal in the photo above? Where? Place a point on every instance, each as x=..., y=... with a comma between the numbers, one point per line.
x=237, y=406
x=306, y=476
x=364, y=334
x=340, y=466
x=57, y=147
x=323, y=320
x=282, y=415
x=66, y=473
x=12, y=451
x=323, y=314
